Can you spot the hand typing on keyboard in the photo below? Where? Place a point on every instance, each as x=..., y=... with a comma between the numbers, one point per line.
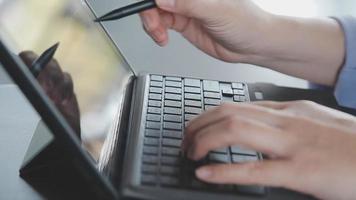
x=311, y=147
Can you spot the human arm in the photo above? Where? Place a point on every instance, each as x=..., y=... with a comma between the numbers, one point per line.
x=239, y=31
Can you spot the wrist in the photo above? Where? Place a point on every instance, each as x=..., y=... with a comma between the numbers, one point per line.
x=312, y=49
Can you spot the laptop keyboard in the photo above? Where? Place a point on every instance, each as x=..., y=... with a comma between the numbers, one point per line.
x=172, y=103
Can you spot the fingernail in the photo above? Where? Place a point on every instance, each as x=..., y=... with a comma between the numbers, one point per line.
x=157, y=35
x=146, y=22
x=166, y=4
x=204, y=173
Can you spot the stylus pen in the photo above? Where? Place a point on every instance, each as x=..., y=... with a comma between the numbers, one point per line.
x=41, y=62
x=127, y=10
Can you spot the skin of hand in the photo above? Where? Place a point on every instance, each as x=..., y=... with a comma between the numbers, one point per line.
x=310, y=148
x=239, y=31
x=58, y=85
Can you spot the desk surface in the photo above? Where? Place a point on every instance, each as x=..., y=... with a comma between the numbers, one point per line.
x=17, y=127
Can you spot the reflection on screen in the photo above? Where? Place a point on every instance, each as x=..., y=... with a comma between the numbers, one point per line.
x=97, y=71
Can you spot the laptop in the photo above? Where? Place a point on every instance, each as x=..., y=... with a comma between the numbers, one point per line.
x=132, y=125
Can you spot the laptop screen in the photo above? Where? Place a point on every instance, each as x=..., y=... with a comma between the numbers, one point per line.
x=98, y=72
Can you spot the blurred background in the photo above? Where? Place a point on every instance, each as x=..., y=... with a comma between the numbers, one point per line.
x=87, y=55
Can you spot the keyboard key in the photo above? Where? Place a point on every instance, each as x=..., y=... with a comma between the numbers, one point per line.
x=212, y=86
x=156, y=84
x=169, y=170
x=152, y=133
x=239, y=150
x=170, y=103
x=189, y=117
x=150, y=150
x=193, y=90
x=149, y=159
x=156, y=78
x=192, y=110
x=192, y=103
x=149, y=169
x=221, y=150
x=156, y=90
x=152, y=117
x=192, y=82
x=169, y=181
x=192, y=96
x=238, y=98
x=243, y=159
x=207, y=107
x=167, y=160
x=153, y=110
x=256, y=190
x=148, y=179
x=214, y=102
x=174, y=111
x=239, y=92
x=154, y=103
x=153, y=125
x=168, y=151
x=173, y=90
x=212, y=95
x=173, y=84
x=172, y=126
x=219, y=158
x=195, y=183
x=237, y=86
x=170, y=78
x=176, y=97
x=155, y=97
x=171, y=142
x=172, y=134
x=227, y=92
x=172, y=118
x=151, y=141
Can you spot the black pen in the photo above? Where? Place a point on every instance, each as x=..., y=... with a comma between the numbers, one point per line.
x=41, y=62
x=127, y=10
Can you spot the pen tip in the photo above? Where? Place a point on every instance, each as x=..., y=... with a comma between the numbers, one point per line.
x=56, y=45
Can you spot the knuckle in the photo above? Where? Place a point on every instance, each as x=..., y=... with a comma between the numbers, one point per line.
x=152, y=27
x=304, y=103
x=223, y=108
x=230, y=123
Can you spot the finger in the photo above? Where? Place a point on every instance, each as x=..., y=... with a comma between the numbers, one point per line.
x=243, y=132
x=268, y=173
x=271, y=104
x=176, y=22
x=154, y=27
x=28, y=57
x=66, y=87
x=215, y=115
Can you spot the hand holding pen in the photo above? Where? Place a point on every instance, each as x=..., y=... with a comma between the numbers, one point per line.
x=56, y=83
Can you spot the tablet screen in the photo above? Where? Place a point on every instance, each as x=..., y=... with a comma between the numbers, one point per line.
x=86, y=58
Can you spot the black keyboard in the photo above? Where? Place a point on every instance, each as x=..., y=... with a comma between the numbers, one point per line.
x=172, y=102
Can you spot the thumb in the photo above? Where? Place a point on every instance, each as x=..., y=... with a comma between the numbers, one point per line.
x=189, y=8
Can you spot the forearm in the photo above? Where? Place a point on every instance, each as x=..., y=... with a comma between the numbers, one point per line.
x=312, y=49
